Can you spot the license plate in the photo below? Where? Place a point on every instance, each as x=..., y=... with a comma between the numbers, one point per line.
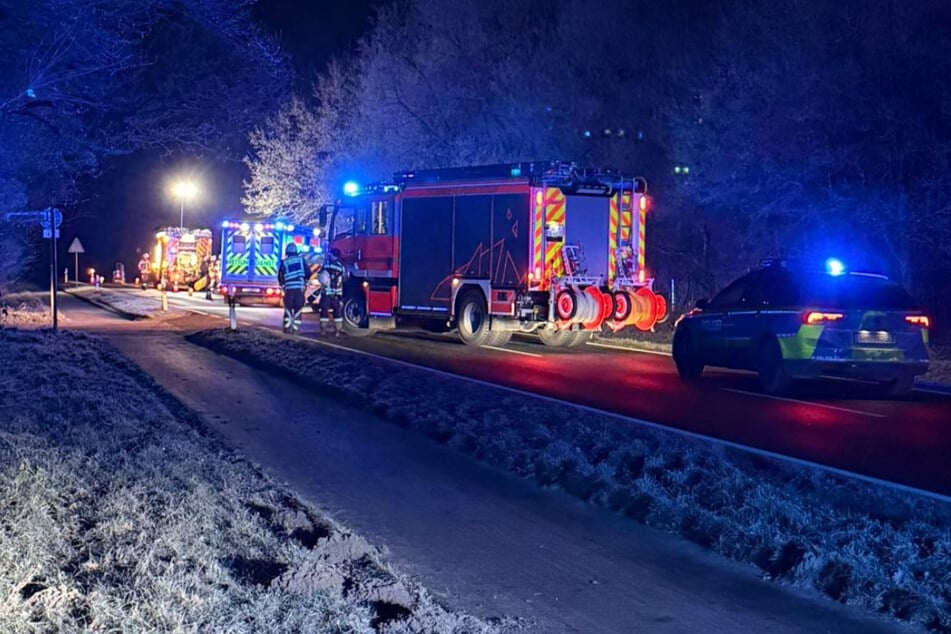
x=873, y=336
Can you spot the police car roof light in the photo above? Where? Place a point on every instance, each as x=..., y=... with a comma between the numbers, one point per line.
x=835, y=267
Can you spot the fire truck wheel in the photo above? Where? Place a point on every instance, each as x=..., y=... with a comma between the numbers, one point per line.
x=356, y=322
x=499, y=337
x=563, y=338
x=473, y=320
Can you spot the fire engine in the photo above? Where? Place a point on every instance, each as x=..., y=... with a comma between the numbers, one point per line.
x=251, y=253
x=549, y=248
x=178, y=255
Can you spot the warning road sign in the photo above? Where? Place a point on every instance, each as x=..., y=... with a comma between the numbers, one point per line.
x=76, y=247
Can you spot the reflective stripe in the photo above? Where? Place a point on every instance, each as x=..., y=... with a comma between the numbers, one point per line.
x=294, y=273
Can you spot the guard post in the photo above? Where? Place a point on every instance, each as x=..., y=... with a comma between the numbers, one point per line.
x=232, y=312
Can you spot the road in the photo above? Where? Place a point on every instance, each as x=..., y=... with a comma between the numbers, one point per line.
x=839, y=424
x=486, y=541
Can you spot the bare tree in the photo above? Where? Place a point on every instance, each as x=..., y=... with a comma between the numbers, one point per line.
x=84, y=81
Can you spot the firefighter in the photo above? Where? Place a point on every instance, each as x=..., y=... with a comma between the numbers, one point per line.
x=332, y=277
x=145, y=271
x=205, y=276
x=292, y=276
x=214, y=273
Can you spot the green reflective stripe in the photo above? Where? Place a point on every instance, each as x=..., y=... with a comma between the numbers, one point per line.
x=802, y=345
x=236, y=263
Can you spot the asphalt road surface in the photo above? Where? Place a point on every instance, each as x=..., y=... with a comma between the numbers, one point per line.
x=845, y=425
x=490, y=543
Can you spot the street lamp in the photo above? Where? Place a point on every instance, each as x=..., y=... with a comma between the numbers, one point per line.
x=183, y=190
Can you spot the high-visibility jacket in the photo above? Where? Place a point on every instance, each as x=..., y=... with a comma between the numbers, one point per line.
x=293, y=273
x=336, y=273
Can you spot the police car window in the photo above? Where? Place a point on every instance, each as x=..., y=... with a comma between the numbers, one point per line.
x=238, y=244
x=847, y=292
x=730, y=296
x=777, y=289
x=267, y=245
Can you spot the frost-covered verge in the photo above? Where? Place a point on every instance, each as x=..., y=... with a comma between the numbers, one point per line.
x=133, y=304
x=939, y=371
x=24, y=310
x=855, y=542
x=117, y=513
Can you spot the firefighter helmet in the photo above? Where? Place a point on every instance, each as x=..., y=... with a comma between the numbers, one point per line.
x=291, y=249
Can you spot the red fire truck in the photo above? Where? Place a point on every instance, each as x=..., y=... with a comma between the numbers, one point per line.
x=492, y=250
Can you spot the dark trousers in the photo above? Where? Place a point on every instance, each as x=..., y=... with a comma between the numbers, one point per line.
x=294, y=299
x=330, y=303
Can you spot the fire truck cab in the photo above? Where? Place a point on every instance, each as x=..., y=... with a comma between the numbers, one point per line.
x=492, y=250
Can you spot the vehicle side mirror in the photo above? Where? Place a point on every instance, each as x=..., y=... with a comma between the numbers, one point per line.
x=703, y=303
x=324, y=214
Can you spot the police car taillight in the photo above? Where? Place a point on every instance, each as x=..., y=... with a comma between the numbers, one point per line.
x=813, y=317
x=918, y=320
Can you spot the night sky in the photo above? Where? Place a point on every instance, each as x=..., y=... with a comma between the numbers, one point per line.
x=130, y=199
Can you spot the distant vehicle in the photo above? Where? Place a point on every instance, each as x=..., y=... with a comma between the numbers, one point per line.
x=179, y=253
x=786, y=322
x=492, y=250
x=251, y=253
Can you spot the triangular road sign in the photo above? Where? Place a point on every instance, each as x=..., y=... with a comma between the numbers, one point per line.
x=76, y=247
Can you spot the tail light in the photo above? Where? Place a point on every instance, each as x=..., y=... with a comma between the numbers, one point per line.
x=643, y=203
x=642, y=276
x=918, y=320
x=813, y=317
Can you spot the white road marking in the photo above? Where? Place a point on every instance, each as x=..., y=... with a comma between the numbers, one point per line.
x=930, y=391
x=527, y=354
x=625, y=349
x=639, y=421
x=811, y=403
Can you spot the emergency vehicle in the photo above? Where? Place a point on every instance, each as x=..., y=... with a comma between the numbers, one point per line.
x=787, y=320
x=492, y=250
x=251, y=253
x=178, y=255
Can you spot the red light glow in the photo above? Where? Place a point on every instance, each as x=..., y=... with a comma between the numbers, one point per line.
x=918, y=320
x=814, y=317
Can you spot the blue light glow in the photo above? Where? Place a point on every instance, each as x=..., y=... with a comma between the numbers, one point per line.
x=351, y=188
x=225, y=224
x=834, y=267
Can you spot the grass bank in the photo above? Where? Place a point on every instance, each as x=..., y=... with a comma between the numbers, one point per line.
x=857, y=543
x=119, y=513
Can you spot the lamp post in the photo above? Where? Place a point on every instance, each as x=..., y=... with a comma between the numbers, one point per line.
x=183, y=190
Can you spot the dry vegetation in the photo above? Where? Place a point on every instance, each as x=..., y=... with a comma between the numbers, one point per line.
x=854, y=542
x=118, y=513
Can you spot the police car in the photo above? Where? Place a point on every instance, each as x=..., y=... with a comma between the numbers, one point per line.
x=786, y=322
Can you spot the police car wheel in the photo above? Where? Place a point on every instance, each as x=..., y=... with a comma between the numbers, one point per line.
x=689, y=366
x=900, y=386
x=773, y=376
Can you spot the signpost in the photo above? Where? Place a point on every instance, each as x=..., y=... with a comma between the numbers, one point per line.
x=50, y=219
x=76, y=247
